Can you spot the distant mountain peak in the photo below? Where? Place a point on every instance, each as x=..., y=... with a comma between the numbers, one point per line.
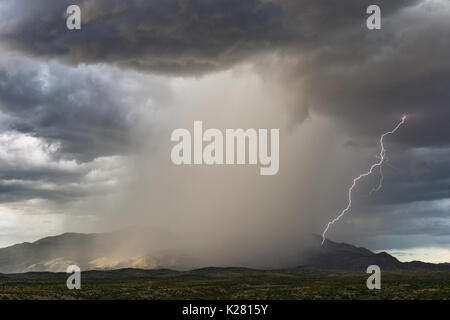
x=333, y=255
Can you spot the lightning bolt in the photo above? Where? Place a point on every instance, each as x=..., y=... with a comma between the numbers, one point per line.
x=380, y=161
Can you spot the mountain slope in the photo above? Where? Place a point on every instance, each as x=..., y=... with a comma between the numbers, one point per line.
x=343, y=256
x=143, y=248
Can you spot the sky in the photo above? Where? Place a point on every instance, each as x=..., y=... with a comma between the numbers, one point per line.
x=86, y=117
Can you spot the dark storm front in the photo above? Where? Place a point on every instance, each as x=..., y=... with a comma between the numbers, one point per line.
x=228, y=309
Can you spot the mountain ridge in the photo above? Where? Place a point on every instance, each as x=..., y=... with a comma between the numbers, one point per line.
x=105, y=251
x=333, y=255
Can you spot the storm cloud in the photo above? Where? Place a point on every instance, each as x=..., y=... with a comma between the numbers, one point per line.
x=138, y=69
x=90, y=112
x=180, y=36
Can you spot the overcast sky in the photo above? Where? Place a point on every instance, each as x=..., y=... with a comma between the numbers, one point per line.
x=86, y=116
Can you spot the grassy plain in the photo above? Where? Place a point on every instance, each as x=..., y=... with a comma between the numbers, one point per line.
x=227, y=283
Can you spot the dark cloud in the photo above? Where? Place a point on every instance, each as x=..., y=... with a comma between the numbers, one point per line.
x=363, y=78
x=22, y=193
x=420, y=223
x=367, y=80
x=181, y=36
x=58, y=123
x=54, y=175
x=166, y=36
x=412, y=175
x=29, y=170
x=87, y=110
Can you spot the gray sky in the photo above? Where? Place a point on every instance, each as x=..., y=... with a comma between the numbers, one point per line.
x=86, y=116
